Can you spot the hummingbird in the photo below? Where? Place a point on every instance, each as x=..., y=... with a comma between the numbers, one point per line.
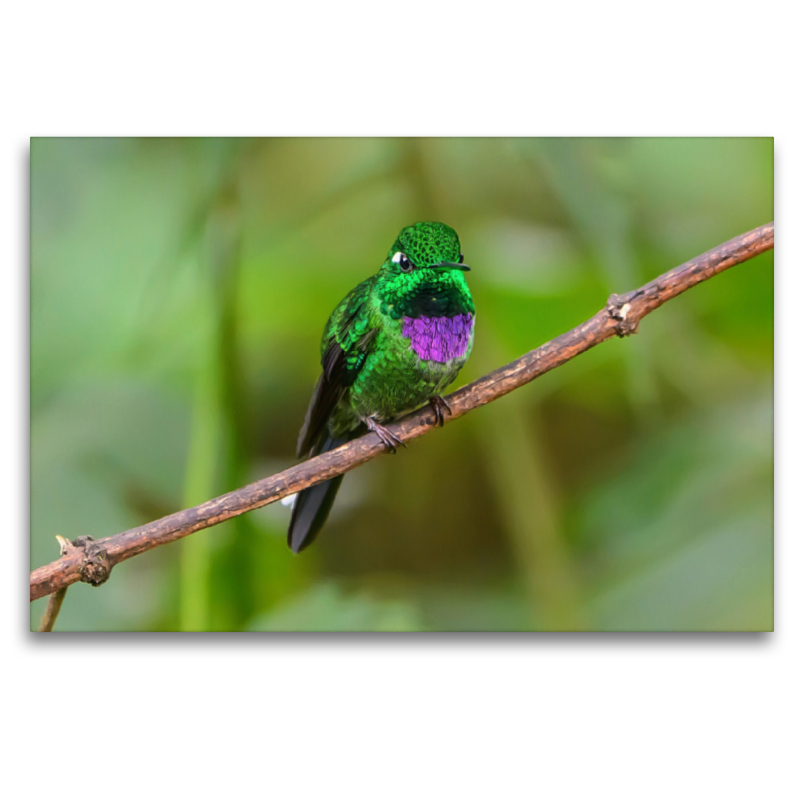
x=391, y=345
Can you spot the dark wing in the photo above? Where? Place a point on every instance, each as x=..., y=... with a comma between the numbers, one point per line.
x=347, y=341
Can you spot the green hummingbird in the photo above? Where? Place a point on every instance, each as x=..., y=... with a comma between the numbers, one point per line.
x=391, y=345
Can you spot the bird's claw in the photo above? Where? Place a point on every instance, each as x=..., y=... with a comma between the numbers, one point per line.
x=439, y=406
x=390, y=440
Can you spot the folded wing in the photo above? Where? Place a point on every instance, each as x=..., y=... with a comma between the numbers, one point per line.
x=347, y=343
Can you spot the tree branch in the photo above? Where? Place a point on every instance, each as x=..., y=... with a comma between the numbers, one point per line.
x=91, y=561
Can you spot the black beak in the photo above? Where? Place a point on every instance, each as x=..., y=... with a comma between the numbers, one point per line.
x=450, y=265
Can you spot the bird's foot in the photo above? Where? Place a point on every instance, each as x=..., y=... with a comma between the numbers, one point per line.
x=439, y=406
x=384, y=434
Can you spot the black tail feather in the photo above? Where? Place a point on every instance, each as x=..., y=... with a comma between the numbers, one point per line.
x=312, y=506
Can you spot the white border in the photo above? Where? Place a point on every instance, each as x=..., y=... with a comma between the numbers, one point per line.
x=478, y=716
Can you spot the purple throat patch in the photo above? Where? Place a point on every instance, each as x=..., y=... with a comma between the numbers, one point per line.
x=438, y=338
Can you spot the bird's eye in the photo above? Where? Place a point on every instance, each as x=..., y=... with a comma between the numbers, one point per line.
x=460, y=258
x=402, y=260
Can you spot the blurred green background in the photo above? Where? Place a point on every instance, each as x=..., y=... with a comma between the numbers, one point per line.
x=179, y=289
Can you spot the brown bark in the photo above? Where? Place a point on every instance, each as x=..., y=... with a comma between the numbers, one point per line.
x=92, y=561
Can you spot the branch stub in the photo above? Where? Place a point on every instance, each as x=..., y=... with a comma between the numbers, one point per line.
x=96, y=567
x=618, y=308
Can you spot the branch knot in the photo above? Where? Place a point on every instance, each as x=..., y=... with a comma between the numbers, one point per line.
x=96, y=566
x=618, y=308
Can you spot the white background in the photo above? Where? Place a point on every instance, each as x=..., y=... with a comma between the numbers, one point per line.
x=640, y=716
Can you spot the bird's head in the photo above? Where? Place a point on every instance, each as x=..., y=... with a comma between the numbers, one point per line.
x=424, y=273
x=426, y=245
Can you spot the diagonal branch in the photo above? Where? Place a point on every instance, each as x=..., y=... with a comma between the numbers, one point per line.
x=91, y=561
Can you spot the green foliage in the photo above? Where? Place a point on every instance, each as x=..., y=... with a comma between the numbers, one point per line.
x=326, y=607
x=179, y=290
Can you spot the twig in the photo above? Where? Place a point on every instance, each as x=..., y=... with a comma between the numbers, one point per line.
x=57, y=598
x=51, y=612
x=91, y=561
